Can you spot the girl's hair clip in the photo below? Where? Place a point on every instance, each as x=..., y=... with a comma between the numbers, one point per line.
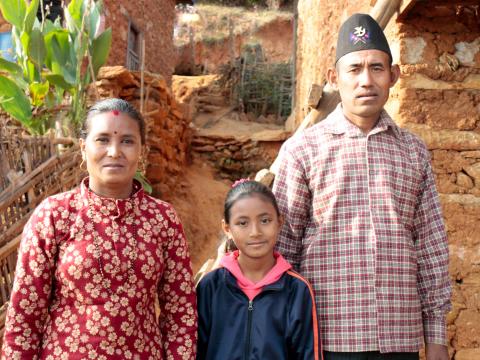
x=115, y=112
x=240, y=181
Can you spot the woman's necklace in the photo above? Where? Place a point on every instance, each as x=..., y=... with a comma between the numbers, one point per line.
x=132, y=255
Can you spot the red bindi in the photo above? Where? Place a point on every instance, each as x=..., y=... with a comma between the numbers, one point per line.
x=115, y=112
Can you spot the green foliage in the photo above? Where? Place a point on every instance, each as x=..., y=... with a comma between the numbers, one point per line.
x=50, y=61
x=13, y=100
x=144, y=181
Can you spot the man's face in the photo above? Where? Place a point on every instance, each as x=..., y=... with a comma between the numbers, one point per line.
x=364, y=79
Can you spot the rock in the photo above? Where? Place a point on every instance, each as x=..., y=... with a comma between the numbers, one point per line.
x=468, y=329
x=206, y=148
x=467, y=354
x=464, y=180
x=446, y=139
x=265, y=177
x=474, y=171
x=471, y=154
x=201, y=141
x=122, y=76
x=271, y=135
x=462, y=216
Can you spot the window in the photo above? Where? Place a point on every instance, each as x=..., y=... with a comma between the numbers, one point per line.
x=133, y=47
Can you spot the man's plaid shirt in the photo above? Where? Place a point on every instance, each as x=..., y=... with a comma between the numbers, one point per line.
x=364, y=226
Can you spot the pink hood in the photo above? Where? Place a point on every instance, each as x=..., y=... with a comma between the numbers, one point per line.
x=251, y=289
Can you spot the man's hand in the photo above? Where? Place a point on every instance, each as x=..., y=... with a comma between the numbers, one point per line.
x=436, y=352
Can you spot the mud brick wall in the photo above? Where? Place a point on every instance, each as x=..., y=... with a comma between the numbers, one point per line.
x=154, y=19
x=438, y=97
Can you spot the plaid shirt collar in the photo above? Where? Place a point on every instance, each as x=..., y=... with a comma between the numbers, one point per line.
x=339, y=124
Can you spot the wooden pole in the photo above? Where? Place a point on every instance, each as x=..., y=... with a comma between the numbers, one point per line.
x=142, y=73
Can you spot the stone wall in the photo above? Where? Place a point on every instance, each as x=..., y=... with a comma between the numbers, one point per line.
x=438, y=98
x=154, y=19
x=237, y=158
x=168, y=132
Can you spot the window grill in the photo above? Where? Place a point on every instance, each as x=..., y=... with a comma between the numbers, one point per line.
x=133, y=47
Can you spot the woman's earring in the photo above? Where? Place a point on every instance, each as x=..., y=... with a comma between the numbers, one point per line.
x=143, y=166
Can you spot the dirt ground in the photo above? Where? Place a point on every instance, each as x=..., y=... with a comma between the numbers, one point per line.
x=199, y=203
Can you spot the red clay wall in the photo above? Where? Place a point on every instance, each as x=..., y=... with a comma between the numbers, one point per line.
x=155, y=20
x=438, y=97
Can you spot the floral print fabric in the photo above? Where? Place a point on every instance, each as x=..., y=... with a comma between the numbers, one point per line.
x=63, y=307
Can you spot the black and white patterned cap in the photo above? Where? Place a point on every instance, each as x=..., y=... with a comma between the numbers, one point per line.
x=361, y=32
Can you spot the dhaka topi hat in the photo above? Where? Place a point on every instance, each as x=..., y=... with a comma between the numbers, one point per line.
x=361, y=32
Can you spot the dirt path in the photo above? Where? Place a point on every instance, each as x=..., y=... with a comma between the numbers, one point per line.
x=199, y=203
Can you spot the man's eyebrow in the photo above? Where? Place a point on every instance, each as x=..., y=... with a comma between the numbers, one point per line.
x=377, y=64
x=354, y=65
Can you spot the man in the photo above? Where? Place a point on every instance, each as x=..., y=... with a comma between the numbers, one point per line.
x=363, y=220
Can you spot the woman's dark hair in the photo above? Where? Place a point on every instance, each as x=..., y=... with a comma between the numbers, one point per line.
x=243, y=190
x=114, y=104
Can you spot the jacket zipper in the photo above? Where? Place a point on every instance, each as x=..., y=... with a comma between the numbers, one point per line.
x=249, y=329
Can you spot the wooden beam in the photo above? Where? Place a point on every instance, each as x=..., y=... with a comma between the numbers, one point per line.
x=405, y=7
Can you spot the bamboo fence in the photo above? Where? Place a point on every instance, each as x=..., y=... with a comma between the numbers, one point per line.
x=31, y=168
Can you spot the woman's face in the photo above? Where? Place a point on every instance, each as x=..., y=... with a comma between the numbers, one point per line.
x=112, y=150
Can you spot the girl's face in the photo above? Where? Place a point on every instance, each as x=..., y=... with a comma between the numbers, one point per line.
x=112, y=150
x=254, y=226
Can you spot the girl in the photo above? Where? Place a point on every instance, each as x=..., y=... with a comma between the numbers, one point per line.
x=254, y=306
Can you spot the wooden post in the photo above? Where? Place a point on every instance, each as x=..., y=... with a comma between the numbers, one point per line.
x=192, y=47
x=142, y=73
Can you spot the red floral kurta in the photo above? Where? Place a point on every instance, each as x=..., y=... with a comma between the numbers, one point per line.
x=63, y=307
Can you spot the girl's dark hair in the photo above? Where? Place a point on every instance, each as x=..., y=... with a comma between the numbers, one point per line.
x=242, y=190
x=113, y=104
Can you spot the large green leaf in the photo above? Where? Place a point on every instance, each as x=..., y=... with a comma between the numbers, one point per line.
x=49, y=26
x=94, y=19
x=60, y=59
x=36, y=48
x=57, y=46
x=38, y=91
x=100, y=49
x=75, y=11
x=58, y=80
x=30, y=16
x=10, y=67
x=14, y=11
x=14, y=101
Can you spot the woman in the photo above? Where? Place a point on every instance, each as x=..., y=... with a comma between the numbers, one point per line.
x=92, y=261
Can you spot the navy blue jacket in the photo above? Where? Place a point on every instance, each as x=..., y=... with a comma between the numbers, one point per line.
x=280, y=323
